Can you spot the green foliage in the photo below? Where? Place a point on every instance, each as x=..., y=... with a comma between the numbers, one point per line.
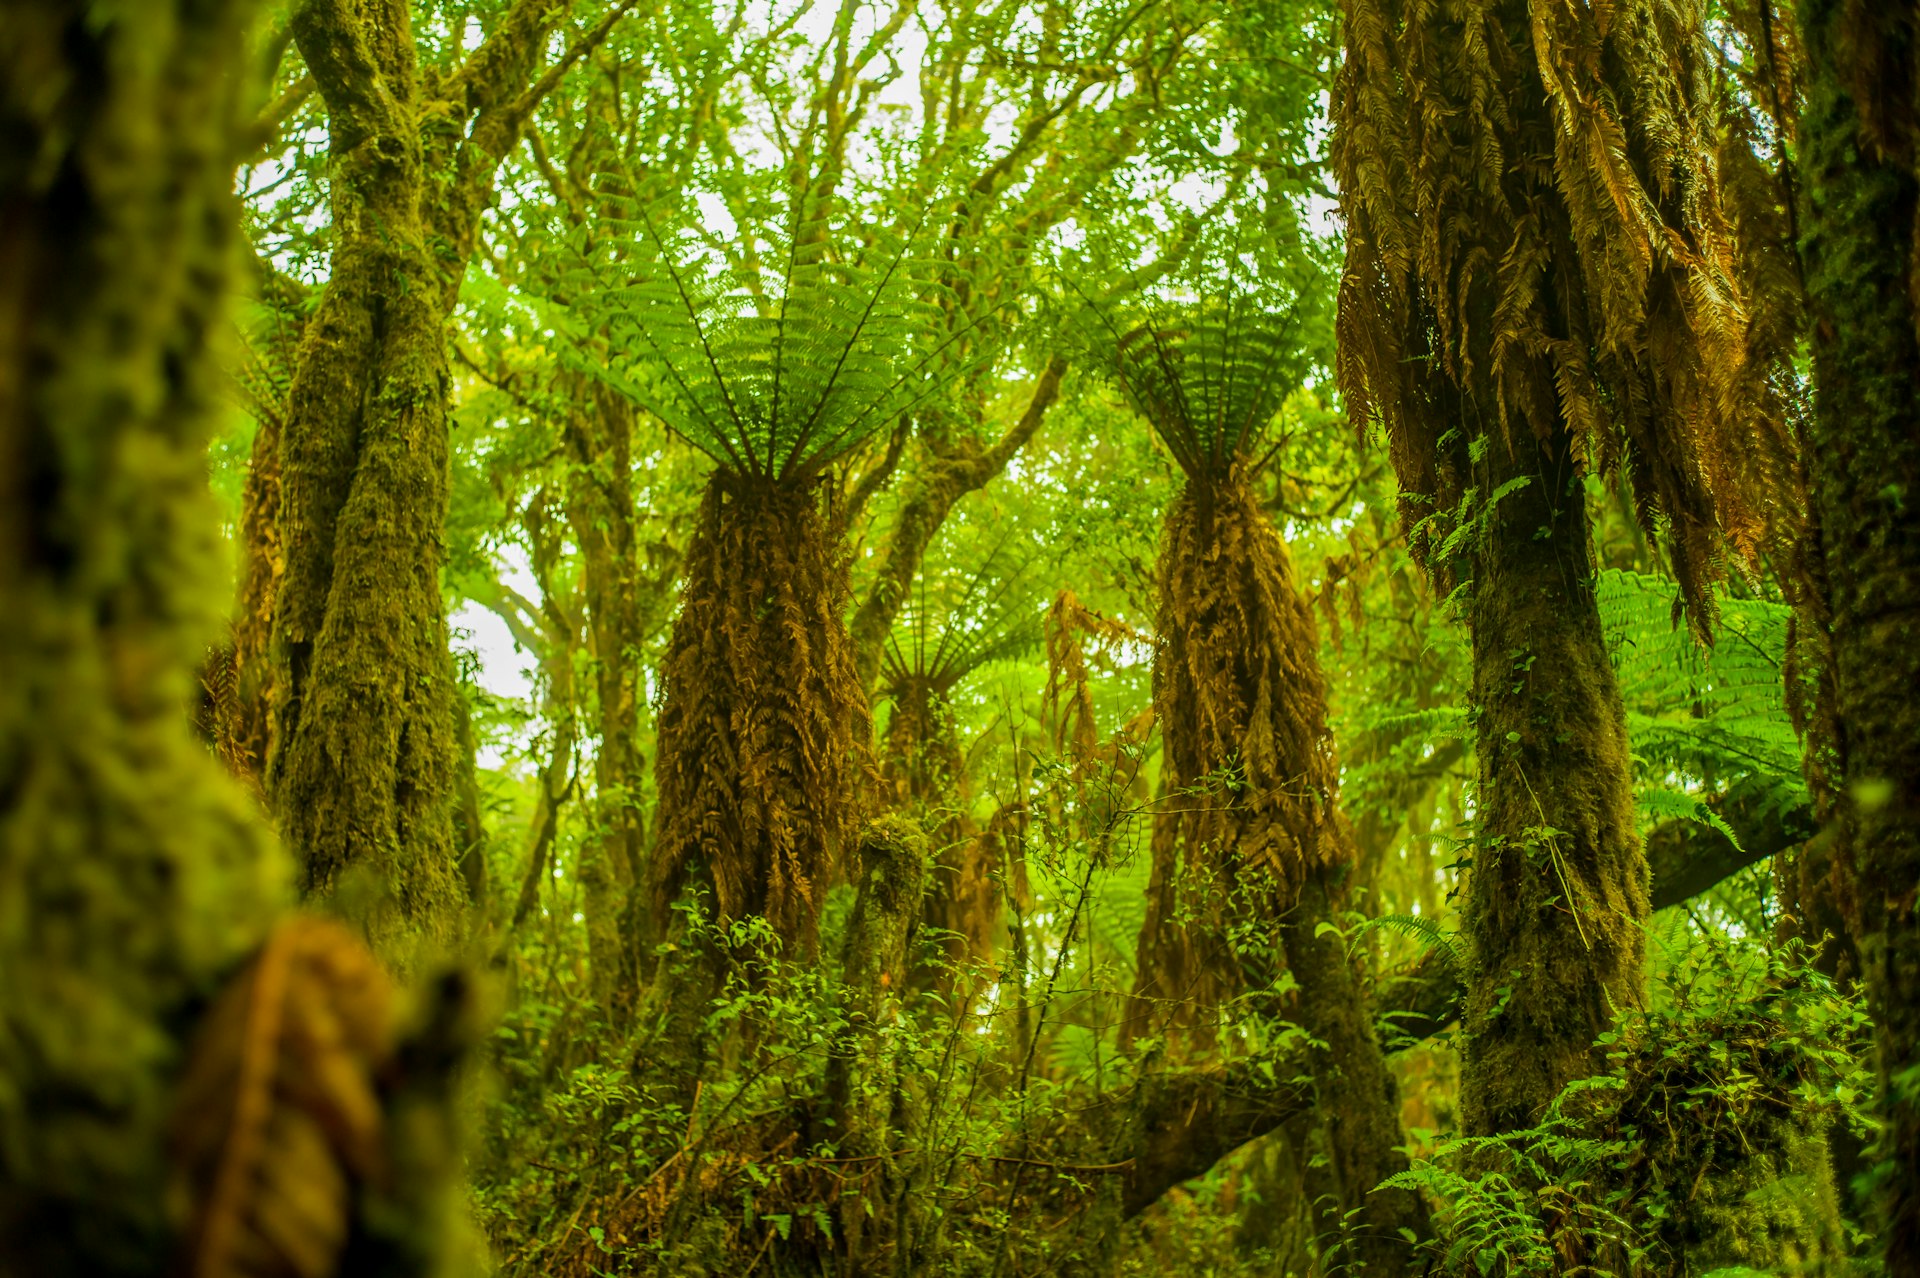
x=1713, y=717
x=1702, y=1146
x=776, y=377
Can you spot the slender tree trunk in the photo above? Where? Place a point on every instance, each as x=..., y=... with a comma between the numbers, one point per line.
x=600, y=509
x=133, y=876
x=1858, y=229
x=1557, y=896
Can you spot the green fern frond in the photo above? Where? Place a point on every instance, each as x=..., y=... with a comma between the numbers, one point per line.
x=1431, y=936
x=779, y=374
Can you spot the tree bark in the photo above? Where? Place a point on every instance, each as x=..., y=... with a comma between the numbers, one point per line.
x=1861, y=198
x=132, y=875
x=600, y=509
x=365, y=762
x=1557, y=895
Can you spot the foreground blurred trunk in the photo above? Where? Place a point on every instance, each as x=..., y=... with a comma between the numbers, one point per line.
x=150, y=1122
x=135, y=878
x=1860, y=134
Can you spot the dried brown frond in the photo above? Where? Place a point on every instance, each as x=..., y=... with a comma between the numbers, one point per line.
x=279, y=1117
x=1539, y=240
x=1250, y=762
x=763, y=724
x=1068, y=701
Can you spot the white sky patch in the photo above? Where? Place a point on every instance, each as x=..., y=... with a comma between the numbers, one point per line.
x=502, y=668
x=714, y=215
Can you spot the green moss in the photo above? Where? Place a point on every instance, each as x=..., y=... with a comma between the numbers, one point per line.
x=133, y=875
x=1858, y=225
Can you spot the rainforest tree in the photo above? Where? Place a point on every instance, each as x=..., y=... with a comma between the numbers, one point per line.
x=817, y=580
x=1254, y=839
x=1862, y=195
x=364, y=763
x=1540, y=287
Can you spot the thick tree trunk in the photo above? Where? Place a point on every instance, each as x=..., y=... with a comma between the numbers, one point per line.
x=132, y=875
x=365, y=765
x=1858, y=226
x=764, y=726
x=1557, y=895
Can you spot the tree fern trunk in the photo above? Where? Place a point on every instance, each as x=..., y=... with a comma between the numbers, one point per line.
x=1238, y=686
x=1557, y=895
x=132, y=874
x=1861, y=200
x=764, y=726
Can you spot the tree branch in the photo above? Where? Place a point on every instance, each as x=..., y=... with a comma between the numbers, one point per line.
x=352, y=83
x=948, y=479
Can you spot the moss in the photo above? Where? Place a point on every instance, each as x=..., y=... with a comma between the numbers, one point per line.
x=1858, y=227
x=133, y=875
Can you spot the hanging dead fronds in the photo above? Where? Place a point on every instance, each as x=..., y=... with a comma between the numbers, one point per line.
x=1068, y=701
x=1250, y=764
x=279, y=1117
x=1538, y=241
x=763, y=722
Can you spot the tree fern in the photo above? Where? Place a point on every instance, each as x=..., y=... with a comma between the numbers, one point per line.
x=1701, y=718
x=1431, y=937
x=774, y=374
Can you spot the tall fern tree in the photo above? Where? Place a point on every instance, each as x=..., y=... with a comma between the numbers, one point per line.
x=955, y=620
x=1540, y=284
x=1252, y=839
x=764, y=726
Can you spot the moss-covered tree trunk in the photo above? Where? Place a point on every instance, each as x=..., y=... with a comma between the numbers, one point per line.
x=1239, y=690
x=366, y=761
x=1557, y=896
x=1861, y=199
x=132, y=875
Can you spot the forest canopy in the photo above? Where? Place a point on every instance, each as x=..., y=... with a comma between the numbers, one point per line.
x=926, y=637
